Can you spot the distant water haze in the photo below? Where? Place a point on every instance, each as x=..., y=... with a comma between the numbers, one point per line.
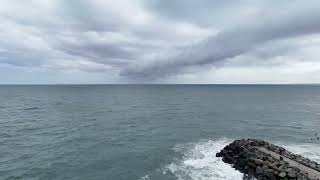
x=82, y=132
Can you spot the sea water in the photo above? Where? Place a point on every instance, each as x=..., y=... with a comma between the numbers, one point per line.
x=139, y=132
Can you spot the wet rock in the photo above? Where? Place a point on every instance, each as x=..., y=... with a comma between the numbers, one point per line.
x=258, y=161
x=268, y=163
x=265, y=167
x=251, y=171
x=270, y=159
x=270, y=174
x=251, y=164
x=246, y=156
x=268, y=171
x=242, y=162
x=259, y=170
x=282, y=174
x=292, y=174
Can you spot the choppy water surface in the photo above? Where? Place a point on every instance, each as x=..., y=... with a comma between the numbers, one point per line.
x=155, y=132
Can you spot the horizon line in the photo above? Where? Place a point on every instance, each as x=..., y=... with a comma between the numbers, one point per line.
x=53, y=84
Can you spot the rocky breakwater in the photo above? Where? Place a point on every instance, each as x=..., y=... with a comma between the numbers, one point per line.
x=263, y=160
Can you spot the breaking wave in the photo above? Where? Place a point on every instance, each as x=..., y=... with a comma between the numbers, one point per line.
x=199, y=161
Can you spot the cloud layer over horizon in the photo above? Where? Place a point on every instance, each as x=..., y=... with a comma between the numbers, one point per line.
x=156, y=41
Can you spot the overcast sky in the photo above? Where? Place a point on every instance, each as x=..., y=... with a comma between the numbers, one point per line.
x=159, y=41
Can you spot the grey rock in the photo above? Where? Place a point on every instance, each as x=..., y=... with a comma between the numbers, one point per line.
x=258, y=161
x=259, y=170
x=251, y=171
x=313, y=165
x=268, y=163
x=282, y=174
x=270, y=174
x=276, y=163
x=242, y=162
x=265, y=167
x=270, y=159
x=276, y=168
x=251, y=164
x=292, y=174
x=268, y=171
x=282, y=167
x=245, y=156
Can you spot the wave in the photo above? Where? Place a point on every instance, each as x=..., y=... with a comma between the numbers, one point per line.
x=311, y=151
x=199, y=161
x=31, y=108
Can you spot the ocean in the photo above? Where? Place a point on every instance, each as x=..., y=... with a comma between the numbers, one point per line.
x=142, y=132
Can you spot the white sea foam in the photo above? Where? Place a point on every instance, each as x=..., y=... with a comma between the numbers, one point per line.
x=311, y=151
x=200, y=162
x=146, y=177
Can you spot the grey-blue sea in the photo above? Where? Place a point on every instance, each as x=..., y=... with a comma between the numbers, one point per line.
x=97, y=132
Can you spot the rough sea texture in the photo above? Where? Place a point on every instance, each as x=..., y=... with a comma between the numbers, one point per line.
x=158, y=132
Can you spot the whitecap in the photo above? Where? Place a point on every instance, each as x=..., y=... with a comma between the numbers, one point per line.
x=146, y=177
x=311, y=151
x=199, y=162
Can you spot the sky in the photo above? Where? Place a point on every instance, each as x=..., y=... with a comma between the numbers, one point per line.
x=159, y=41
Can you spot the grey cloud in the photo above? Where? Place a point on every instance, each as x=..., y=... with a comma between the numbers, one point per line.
x=297, y=21
x=146, y=40
x=218, y=13
x=204, y=12
x=103, y=53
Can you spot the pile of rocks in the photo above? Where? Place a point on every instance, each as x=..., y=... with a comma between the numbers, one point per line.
x=246, y=156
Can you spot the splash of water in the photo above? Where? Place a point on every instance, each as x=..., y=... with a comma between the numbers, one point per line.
x=200, y=162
